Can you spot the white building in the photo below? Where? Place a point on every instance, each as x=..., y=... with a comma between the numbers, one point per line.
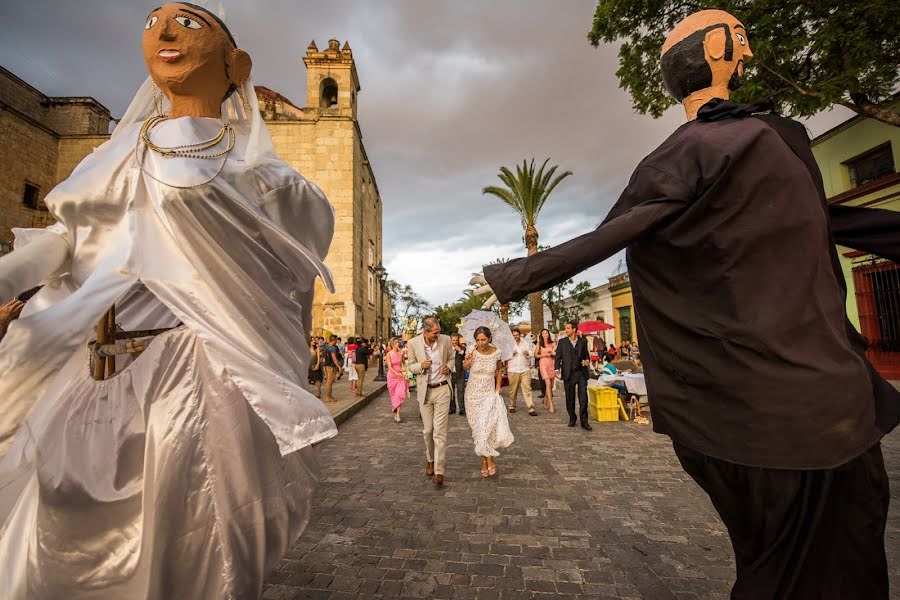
x=599, y=309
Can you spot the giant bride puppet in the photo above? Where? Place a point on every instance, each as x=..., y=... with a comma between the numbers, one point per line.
x=188, y=470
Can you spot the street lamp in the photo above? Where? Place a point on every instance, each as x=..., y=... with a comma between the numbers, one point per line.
x=380, y=274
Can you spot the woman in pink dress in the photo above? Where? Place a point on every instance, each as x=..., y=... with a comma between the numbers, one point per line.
x=546, y=352
x=398, y=385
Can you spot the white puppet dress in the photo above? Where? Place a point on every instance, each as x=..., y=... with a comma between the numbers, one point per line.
x=190, y=471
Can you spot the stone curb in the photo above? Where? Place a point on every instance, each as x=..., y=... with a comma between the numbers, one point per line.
x=345, y=413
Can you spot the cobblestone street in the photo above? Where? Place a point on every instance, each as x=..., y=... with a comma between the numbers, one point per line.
x=571, y=514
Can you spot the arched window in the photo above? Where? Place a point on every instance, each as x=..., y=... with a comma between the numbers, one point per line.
x=328, y=93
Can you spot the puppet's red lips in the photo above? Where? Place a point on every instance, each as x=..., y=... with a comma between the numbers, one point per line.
x=169, y=54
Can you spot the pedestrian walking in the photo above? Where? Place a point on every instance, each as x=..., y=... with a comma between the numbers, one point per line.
x=546, y=353
x=431, y=360
x=486, y=412
x=518, y=370
x=458, y=377
x=397, y=383
x=352, y=376
x=361, y=363
x=572, y=362
x=316, y=366
x=332, y=367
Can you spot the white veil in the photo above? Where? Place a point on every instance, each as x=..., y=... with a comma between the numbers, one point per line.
x=259, y=146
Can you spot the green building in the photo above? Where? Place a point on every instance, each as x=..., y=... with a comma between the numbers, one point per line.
x=858, y=160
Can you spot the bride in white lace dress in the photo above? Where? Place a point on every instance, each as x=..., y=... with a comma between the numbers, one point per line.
x=485, y=409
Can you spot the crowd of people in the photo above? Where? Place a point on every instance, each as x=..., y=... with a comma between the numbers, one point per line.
x=331, y=358
x=451, y=378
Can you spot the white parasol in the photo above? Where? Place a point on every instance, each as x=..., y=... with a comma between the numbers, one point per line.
x=502, y=337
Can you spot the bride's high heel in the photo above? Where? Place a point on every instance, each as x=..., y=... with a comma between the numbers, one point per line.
x=492, y=470
x=484, y=468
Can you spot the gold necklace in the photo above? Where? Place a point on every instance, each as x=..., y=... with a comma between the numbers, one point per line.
x=194, y=150
x=181, y=152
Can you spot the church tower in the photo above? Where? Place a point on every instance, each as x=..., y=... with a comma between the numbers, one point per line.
x=323, y=141
x=331, y=79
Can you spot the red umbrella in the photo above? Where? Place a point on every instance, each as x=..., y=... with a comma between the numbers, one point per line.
x=589, y=327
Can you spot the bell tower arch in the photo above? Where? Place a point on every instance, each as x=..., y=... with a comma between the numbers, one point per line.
x=331, y=80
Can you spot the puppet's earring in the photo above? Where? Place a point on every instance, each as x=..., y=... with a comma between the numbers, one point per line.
x=244, y=102
x=157, y=98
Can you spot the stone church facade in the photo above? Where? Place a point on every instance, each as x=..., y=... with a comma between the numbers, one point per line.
x=324, y=142
x=42, y=139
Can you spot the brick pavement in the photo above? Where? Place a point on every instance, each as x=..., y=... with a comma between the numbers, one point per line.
x=571, y=514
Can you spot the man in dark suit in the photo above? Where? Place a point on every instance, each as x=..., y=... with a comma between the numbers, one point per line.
x=572, y=362
x=458, y=377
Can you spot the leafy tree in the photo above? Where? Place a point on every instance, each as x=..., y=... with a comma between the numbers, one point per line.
x=808, y=54
x=566, y=301
x=525, y=192
x=407, y=305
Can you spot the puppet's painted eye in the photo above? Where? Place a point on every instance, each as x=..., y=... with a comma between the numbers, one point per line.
x=151, y=22
x=742, y=40
x=188, y=22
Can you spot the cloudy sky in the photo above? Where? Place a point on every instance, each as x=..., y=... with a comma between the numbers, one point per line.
x=450, y=92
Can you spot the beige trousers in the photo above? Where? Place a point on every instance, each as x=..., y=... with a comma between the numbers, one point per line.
x=330, y=375
x=435, y=411
x=361, y=374
x=515, y=381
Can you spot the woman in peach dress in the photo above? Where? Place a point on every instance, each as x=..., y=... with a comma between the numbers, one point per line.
x=546, y=352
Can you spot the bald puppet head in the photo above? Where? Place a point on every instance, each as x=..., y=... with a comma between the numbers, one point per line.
x=703, y=58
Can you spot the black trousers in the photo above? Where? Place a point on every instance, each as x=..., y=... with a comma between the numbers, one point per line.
x=800, y=535
x=577, y=380
x=458, y=394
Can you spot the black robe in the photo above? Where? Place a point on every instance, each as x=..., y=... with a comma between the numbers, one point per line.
x=739, y=295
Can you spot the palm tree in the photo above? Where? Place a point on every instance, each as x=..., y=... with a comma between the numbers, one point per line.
x=526, y=192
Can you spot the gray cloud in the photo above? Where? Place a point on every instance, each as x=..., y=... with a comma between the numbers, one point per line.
x=450, y=92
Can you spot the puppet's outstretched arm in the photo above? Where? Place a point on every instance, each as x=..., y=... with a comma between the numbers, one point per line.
x=29, y=266
x=517, y=278
x=872, y=230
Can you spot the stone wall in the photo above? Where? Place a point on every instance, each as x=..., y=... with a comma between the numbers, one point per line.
x=322, y=151
x=28, y=154
x=327, y=149
x=41, y=141
x=74, y=149
x=77, y=116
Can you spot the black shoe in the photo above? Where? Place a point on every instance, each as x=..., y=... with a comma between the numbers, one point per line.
x=462, y=413
x=452, y=411
x=586, y=426
x=572, y=423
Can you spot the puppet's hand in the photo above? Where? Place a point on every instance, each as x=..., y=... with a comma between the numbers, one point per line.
x=484, y=289
x=10, y=311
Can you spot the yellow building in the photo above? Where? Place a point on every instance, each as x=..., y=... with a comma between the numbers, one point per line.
x=858, y=160
x=623, y=315
x=324, y=142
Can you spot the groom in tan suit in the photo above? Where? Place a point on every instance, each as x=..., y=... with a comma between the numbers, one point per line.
x=431, y=360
